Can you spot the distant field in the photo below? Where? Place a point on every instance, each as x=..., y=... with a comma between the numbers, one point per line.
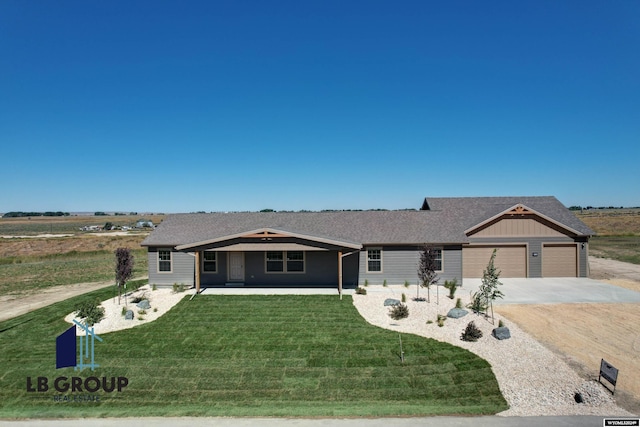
x=65, y=225
x=618, y=233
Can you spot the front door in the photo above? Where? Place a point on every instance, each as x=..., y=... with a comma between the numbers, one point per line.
x=236, y=266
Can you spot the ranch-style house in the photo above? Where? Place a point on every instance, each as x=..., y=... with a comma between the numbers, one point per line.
x=534, y=237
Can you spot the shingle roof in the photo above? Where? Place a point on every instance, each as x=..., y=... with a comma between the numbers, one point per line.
x=444, y=222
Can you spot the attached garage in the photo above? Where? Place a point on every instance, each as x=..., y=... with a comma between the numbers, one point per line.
x=559, y=260
x=510, y=260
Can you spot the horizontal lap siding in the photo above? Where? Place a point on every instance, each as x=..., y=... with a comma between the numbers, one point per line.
x=400, y=264
x=182, y=266
x=321, y=269
x=219, y=277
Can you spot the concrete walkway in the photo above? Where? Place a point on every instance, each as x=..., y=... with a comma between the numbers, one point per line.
x=557, y=291
x=242, y=290
x=575, y=421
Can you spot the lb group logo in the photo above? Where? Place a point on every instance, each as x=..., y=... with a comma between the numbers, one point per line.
x=70, y=354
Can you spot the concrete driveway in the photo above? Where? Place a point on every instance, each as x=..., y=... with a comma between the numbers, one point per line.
x=557, y=291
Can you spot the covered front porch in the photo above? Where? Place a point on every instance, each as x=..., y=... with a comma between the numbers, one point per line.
x=274, y=259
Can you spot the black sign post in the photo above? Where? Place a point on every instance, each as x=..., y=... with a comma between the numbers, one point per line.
x=609, y=373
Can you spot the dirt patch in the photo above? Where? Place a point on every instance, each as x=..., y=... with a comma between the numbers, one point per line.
x=585, y=333
x=61, y=245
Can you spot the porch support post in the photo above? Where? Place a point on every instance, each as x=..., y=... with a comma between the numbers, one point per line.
x=340, y=273
x=198, y=272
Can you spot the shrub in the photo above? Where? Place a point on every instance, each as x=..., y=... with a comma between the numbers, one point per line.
x=91, y=312
x=452, y=285
x=441, y=319
x=399, y=311
x=471, y=333
x=361, y=291
x=478, y=303
x=429, y=322
x=458, y=303
x=404, y=297
x=155, y=309
x=384, y=283
x=140, y=318
x=124, y=311
x=178, y=288
x=142, y=311
x=154, y=287
x=500, y=323
x=406, y=284
x=366, y=282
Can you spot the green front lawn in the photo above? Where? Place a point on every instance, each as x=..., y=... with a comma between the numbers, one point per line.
x=249, y=356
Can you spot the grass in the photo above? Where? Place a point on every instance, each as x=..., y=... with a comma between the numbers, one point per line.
x=618, y=233
x=620, y=248
x=64, y=225
x=26, y=274
x=249, y=356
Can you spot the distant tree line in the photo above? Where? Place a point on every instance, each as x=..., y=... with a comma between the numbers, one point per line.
x=586, y=208
x=29, y=214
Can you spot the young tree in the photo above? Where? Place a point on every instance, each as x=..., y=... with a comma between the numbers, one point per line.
x=490, y=281
x=124, y=268
x=427, y=269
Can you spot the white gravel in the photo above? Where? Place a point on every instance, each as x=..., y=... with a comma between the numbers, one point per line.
x=161, y=301
x=533, y=380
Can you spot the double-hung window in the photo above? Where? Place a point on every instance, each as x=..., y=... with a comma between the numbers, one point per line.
x=164, y=260
x=437, y=258
x=210, y=262
x=285, y=261
x=374, y=260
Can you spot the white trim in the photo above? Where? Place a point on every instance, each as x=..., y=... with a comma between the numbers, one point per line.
x=202, y=262
x=366, y=260
x=229, y=255
x=170, y=260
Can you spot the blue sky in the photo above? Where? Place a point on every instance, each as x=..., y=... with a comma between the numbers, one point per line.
x=171, y=106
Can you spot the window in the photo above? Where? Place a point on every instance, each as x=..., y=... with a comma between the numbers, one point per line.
x=164, y=260
x=295, y=261
x=374, y=260
x=210, y=262
x=438, y=259
x=275, y=261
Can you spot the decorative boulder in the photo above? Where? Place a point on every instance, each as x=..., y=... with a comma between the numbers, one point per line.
x=390, y=302
x=144, y=304
x=456, y=313
x=128, y=315
x=501, y=333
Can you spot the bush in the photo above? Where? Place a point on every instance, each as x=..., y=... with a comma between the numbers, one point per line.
x=366, y=282
x=452, y=286
x=458, y=303
x=406, y=284
x=124, y=311
x=384, y=283
x=91, y=312
x=441, y=319
x=178, y=288
x=361, y=291
x=142, y=311
x=154, y=287
x=399, y=311
x=471, y=333
x=404, y=297
x=478, y=303
x=500, y=323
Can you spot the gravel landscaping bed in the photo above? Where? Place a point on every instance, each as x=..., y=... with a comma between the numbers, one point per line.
x=533, y=380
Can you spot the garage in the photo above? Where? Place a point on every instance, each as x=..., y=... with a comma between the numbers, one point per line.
x=510, y=260
x=560, y=260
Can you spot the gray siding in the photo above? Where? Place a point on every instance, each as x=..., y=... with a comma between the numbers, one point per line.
x=218, y=278
x=321, y=269
x=400, y=264
x=182, y=265
x=534, y=245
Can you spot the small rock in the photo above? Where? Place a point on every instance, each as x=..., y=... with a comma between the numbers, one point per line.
x=128, y=315
x=501, y=333
x=391, y=301
x=144, y=304
x=456, y=313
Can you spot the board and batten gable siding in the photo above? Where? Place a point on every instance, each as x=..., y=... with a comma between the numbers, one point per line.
x=534, y=246
x=400, y=264
x=182, y=268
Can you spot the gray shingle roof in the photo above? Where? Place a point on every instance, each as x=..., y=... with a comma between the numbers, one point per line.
x=444, y=222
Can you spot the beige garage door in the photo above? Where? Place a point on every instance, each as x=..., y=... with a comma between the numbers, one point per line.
x=559, y=261
x=510, y=260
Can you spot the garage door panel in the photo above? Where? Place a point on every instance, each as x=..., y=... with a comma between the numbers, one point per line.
x=510, y=260
x=560, y=261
